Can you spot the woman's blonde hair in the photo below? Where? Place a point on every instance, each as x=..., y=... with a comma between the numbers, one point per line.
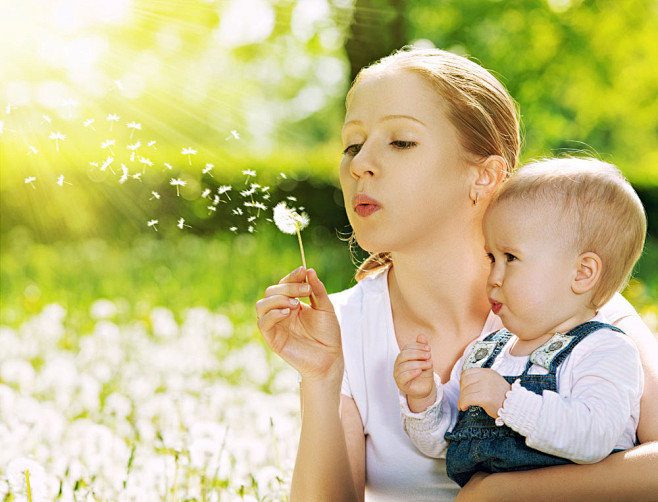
x=480, y=108
x=599, y=212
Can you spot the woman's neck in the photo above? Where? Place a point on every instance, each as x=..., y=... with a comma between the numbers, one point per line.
x=441, y=288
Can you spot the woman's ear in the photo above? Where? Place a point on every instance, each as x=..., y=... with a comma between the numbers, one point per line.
x=490, y=174
x=588, y=272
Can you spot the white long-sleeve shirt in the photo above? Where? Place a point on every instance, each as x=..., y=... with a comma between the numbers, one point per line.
x=596, y=407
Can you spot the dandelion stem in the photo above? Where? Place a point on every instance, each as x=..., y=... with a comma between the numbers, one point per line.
x=301, y=248
x=27, y=480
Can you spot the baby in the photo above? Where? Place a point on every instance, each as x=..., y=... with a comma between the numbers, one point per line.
x=559, y=384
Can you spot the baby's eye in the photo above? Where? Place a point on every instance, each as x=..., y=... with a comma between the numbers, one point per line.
x=403, y=145
x=510, y=257
x=491, y=258
x=352, y=150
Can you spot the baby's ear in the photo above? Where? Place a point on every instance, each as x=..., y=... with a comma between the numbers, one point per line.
x=588, y=272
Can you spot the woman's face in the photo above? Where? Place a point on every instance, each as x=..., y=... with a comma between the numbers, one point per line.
x=402, y=173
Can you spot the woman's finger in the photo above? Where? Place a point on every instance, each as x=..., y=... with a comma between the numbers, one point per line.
x=297, y=275
x=319, y=297
x=269, y=320
x=292, y=289
x=265, y=305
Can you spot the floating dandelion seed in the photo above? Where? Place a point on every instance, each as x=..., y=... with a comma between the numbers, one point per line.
x=124, y=176
x=89, y=123
x=2, y=127
x=224, y=189
x=134, y=126
x=107, y=144
x=118, y=85
x=248, y=173
x=283, y=176
x=145, y=161
x=205, y=193
x=57, y=136
x=234, y=135
x=8, y=109
x=233, y=229
x=289, y=221
x=31, y=180
x=168, y=166
x=251, y=218
x=137, y=176
x=95, y=164
x=177, y=182
x=33, y=150
x=60, y=180
x=46, y=118
x=181, y=224
x=152, y=223
x=211, y=209
x=154, y=195
x=106, y=163
x=248, y=193
x=292, y=198
x=70, y=104
x=134, y=146
x=112, y=118
x=238, y=211
x=251, y=229
x=189, y=152
x=207, y=169
x=151, y=143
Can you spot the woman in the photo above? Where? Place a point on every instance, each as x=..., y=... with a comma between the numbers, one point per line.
x=428, y=138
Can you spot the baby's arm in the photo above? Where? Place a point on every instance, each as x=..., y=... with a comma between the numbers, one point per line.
x=605, y=379
x=426, y=412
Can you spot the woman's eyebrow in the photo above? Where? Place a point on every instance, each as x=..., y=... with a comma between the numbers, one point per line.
x=385, y=118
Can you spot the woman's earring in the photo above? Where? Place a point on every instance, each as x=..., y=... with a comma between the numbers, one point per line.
x=477, y=197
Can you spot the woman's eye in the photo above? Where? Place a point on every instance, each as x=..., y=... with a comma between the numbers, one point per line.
x=352, y=149
x=510, y=257
x=403, y=145
x=491, y=258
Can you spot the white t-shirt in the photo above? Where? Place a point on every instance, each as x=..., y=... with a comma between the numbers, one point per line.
x=395, y=469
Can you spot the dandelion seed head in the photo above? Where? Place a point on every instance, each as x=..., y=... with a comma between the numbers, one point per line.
x=288, y=220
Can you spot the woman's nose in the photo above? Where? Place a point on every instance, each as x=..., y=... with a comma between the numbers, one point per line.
x=363, y=163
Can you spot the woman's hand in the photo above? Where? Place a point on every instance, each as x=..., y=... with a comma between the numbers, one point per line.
x=306, y=337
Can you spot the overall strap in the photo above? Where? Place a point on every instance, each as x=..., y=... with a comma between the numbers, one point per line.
x=576, y=335
x=484, y=352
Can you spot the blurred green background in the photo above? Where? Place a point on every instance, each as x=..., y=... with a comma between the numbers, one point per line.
x=258, y=85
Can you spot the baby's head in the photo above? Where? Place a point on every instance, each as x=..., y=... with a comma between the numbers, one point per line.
x=583, y=211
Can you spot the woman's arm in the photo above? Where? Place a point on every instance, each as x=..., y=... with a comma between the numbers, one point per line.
x=356, y=443
x=322, y=468
x=625, y=476
x=308, y=338
x=645, y=341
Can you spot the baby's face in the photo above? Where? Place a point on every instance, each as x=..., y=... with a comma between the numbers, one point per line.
x=529, y=283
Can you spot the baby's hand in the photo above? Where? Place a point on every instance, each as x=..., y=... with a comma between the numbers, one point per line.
x=414, y=374
x=482, y=387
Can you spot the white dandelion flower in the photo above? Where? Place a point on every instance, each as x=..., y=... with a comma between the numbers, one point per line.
x=152, y=223
x=57, y=136
x=154, y=195
x=289, y=221
x=30, y=180
x=189, y=152
x=177, y=182
x=19, y=471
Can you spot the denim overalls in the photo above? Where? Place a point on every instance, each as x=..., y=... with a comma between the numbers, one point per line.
x=476, y=442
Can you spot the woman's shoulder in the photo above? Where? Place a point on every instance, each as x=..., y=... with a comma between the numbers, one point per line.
x=617, y=308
